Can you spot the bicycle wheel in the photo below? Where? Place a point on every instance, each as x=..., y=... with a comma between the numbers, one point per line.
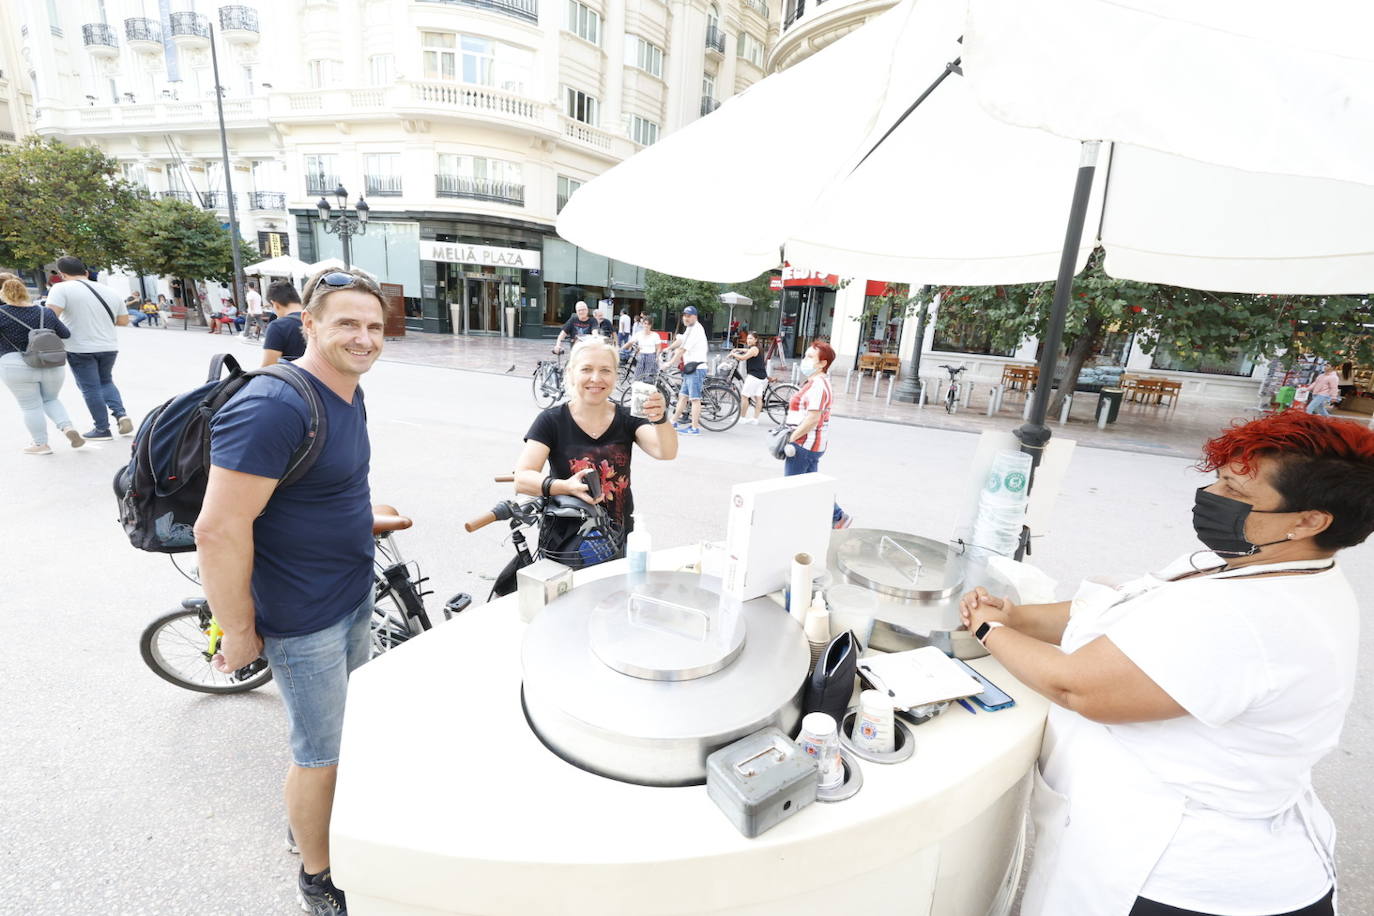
x=951, y=397
x=547, y=385
x=174, y=646
x=776, y=399
x=719, y=406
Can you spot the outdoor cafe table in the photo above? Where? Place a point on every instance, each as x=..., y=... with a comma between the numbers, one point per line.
x=448, y=803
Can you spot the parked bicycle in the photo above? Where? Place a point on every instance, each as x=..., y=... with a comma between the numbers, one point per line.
x=777, y=396
x=180, y=645
x=548, y=380
x=596, y=541
x=953, y=390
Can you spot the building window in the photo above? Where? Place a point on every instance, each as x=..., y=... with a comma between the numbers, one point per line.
x=581, y=107
x=381, y=69
x=644, y=55
x=566, y=187
x=964, y=330
x=480, y=179
x=492, y=63
x=1239, y=364
x=321, y=174
x=319, y=74
x=382, y=174
x=708, y=85
x=582, y=21
x=750, y=48
x=440, y=61
x=642, y=131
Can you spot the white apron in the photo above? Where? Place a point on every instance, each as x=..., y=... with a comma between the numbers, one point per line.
x=1108, y=819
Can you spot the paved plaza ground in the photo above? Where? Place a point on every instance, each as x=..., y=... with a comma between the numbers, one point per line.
x=122, y=794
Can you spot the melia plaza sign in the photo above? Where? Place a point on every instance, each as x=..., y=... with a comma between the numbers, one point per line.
x=486, y=255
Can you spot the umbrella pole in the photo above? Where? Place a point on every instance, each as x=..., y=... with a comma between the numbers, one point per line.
x=1034, y=434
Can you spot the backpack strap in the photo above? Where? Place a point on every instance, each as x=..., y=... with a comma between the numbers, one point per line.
x=96, y=293
x=218, y=362
x=303, y=459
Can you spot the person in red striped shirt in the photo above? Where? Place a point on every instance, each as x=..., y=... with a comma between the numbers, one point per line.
x=809, y=414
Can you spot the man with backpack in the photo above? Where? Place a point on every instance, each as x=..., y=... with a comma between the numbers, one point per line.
x=288, y=569
x=92, y=311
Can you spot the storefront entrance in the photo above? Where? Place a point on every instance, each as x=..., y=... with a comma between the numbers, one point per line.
x=807, y=313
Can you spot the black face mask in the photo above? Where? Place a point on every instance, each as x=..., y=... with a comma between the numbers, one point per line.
x=1220, y=524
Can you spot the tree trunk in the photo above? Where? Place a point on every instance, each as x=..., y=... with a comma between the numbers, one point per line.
x=1073, y=363
x=42, y=280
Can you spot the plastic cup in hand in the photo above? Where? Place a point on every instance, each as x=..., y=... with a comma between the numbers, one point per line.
x=820, y=739
x=639, y=393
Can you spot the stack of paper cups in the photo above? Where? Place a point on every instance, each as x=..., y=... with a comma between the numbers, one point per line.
x=1002, y=504
x=875, y=725
x=817, y=631
x=799, y=594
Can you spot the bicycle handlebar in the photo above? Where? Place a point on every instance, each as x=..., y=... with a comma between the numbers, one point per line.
x=480, y=522
x=504, y=478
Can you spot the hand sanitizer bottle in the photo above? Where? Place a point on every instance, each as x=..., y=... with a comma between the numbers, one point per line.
x=637, y=547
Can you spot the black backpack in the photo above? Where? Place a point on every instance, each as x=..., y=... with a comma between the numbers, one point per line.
x=161, y=489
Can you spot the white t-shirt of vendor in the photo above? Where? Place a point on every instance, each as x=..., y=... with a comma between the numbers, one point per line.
x=1265, y=666
x=694, y=345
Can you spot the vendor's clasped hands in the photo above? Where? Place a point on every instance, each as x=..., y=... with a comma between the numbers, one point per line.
x=978, y=606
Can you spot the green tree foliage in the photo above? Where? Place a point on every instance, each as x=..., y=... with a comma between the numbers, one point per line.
x=676, y=293
x=61, y=200
x=175, y=238
x=757, y=289
x=1184, y=323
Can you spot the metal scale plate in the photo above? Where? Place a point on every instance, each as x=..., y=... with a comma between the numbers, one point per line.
x=918, y=585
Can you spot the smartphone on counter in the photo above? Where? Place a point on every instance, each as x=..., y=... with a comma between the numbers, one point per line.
x=993, y=697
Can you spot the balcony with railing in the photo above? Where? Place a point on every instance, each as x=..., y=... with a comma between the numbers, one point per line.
x=528, y=10
x=382, y=185
x=183, y=196
x=715, y=39
x=190, y=30
x=143, y=35
x=500, y=192
x=708, y=105
x=320, y=183
x=99, y=39
x=216, y=200
x=758, y=6
x=238, y=24
x=267, y=200
x=239, y=112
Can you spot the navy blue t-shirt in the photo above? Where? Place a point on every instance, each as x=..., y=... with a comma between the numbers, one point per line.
x=285, y=334
x=312, y=545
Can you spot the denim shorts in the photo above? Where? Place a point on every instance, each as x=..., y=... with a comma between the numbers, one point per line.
x=691, y=383
x=311, y=672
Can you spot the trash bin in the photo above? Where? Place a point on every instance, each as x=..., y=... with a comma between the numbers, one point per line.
x=1109, y=399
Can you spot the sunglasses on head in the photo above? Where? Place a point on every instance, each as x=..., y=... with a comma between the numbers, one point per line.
x=338, y=279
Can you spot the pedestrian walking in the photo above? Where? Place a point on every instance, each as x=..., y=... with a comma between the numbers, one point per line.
x=1324, y=390
x=755, y=377
x=34, y=388
x=691, y=346
x=625, y=326
x=86, y=309
x=284, y=338
x=646, y=344
x=809, y=415
x=253, y=300
x=289, y=571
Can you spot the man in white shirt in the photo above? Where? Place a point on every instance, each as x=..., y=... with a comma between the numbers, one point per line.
x=254, y=300
x=91, y=311
x=692, y=346
x=624, y=327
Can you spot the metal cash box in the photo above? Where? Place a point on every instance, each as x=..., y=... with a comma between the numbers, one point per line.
x=761, y=780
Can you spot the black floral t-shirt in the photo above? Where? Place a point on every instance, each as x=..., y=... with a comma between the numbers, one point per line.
x=572, y=450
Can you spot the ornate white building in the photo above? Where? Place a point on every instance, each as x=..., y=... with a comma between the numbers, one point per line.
x=465, y=124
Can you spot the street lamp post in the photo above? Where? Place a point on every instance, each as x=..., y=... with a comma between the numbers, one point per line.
x=343, y=225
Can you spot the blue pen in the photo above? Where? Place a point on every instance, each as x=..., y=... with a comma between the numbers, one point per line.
x=969, y=706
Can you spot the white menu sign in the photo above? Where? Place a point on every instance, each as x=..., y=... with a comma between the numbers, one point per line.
x=463, y=253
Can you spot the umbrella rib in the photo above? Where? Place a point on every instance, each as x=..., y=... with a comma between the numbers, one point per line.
x=1106, y=188
x=951, y=67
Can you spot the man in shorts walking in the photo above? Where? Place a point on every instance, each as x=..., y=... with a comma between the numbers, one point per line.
x=692, y=346
x=289, y=571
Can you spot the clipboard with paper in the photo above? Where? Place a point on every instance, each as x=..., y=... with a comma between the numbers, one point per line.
x=917, y=677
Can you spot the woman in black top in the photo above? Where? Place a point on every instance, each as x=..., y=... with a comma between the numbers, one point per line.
x=755, y=376
x=590, y=433
x=35, y=389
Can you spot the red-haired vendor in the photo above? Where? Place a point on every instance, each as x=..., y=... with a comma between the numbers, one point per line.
x=1191, y=704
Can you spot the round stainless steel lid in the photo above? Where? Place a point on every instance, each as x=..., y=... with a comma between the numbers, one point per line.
x=667, y=630
x=896, y=564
